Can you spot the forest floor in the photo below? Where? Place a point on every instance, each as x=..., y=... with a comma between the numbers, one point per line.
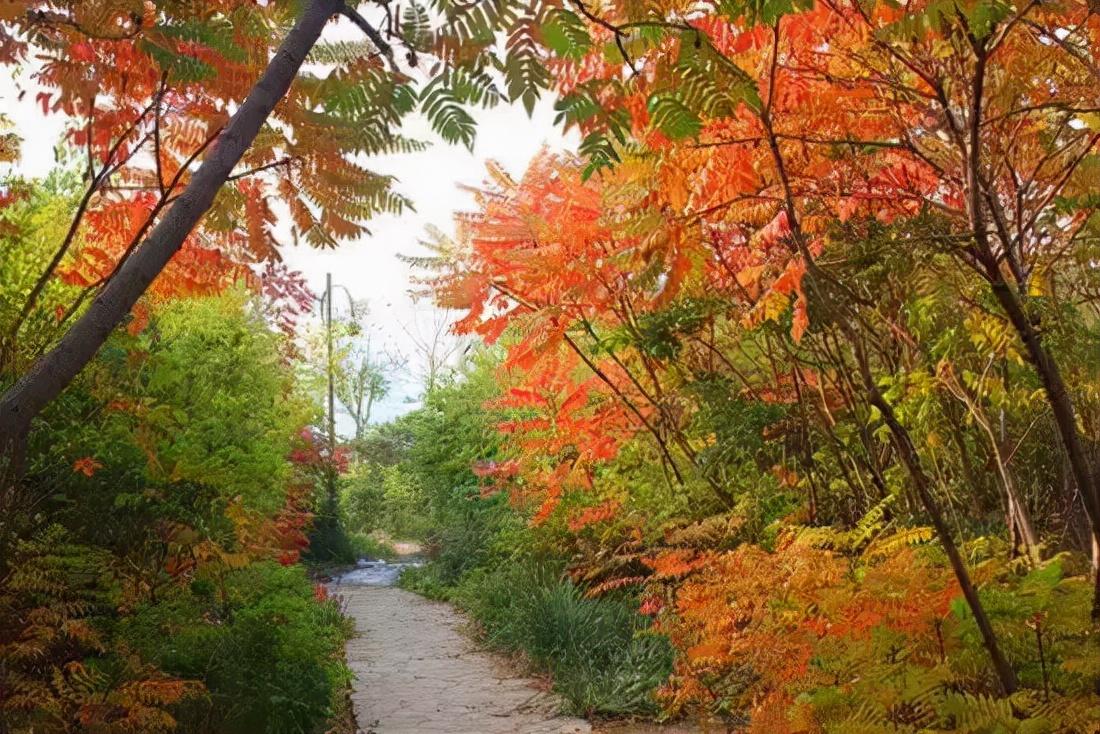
x=417, y=671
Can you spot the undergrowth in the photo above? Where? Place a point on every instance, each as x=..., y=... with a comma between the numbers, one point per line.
x=602, y=658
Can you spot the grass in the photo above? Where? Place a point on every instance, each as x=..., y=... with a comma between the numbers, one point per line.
x=425, y=580
x=372, y=547
x=599, y=652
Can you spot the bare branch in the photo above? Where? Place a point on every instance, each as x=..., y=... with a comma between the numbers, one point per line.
x=375, y=37
x=286, y=161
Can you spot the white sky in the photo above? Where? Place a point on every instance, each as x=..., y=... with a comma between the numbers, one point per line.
x=369, y=268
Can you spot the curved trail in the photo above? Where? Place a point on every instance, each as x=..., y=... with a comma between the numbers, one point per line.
x=417, y=673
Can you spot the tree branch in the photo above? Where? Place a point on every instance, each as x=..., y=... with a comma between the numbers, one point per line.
x=375, y=37
x=285, y=161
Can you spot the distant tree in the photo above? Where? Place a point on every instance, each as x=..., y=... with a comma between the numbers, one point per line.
x=362, y=380
x=436, y=349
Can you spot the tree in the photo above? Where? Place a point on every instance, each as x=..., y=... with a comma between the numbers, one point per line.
x=363, y=381
x=361, y=377
x=436, y=347
x=921, y=110
x=167, y=77
x=836, y=445
x=55, y=370
x=161, y=494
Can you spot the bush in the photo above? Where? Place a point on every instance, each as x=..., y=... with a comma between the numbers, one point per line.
x=267, y=652
x=599, y=651
x=387, y=498
x=470, y=534
x=135, y=590
x=329, y=543
x=370, y=546
x=426, y=581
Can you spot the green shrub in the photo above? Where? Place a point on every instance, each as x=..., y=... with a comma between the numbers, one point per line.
x=267, y=652
x=469, y=533
x=426, y=581
x=602, y=658
x=369, y=546
x=329, y=543
x=624, y=685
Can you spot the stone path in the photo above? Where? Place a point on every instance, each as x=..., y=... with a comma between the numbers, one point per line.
x=417, y=673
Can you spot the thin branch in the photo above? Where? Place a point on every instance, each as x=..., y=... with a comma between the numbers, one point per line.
x=619, y=33
x=109, y=167
x=375, y=37
x=809, y=140
x=48, y=18
x=266, y=167
x=156, y=131
x=165, y=200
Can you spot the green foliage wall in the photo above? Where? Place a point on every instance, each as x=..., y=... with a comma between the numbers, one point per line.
x=135, y=565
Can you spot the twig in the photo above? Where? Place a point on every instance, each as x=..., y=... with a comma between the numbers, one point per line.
x=267, y=167
x=619, y=32
x=375, y=37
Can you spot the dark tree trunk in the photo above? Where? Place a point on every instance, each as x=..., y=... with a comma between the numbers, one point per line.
x=1065, y=416
x=58, y=367
x=1006, y=676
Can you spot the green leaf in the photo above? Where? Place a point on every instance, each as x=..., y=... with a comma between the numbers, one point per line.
x=444, y=111
x=672, y=117
x=1042, y=580
x=711, y=84
x=604, y=128
x=761, y=12
x=565, y=34
x=472, y=86
x=983, y=17
x=600, y=153
x=179, y=67
x=524, y=72
x=216, y=34
x=416, y=28
x=576, y=107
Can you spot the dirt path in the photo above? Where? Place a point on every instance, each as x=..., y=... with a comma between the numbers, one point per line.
x=417, y=673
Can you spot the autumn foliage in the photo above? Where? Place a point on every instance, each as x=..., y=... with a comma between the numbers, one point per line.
x=802, y=348
x=798, y=353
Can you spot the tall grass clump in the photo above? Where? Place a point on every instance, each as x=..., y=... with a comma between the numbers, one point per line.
x=599, y=651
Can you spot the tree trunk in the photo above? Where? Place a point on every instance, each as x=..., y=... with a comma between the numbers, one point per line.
x=1006, y=676
x=364, y=423
x=818, y=286
x=58, y=367
x=1061, y=405
x=1021, y=530
x=1018, y=512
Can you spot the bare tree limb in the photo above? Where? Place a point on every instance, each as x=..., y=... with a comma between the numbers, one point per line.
x=375, y=37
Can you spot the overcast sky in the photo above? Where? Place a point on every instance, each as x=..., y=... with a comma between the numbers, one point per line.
x=369, y=268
